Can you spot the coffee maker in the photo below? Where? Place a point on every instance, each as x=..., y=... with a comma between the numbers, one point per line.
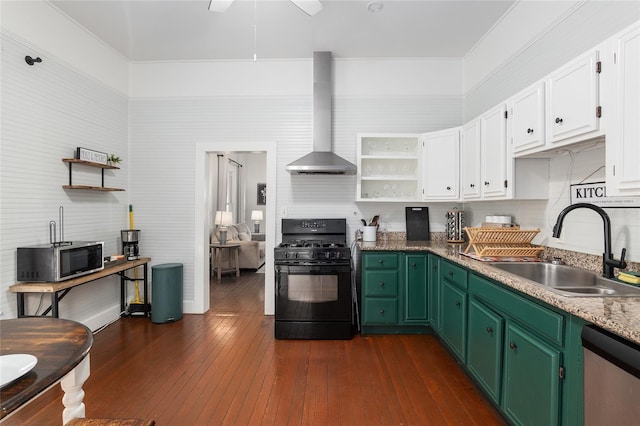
x=130, y=239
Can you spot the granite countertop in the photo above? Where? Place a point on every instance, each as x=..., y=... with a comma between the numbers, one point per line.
x=620, y=315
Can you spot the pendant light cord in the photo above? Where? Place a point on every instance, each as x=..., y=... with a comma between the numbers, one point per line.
x=255, y=29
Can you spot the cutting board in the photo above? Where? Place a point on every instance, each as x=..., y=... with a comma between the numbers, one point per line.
x=417, y=222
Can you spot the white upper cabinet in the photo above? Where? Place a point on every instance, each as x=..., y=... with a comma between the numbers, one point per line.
x=470, y=160
x=493, y=149
x=441, y=165
x=388, y=167
x=572, y=104
x=623, y=133
x=526, y=111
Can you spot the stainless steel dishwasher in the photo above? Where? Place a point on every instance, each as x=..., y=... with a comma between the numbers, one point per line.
x=611, y=379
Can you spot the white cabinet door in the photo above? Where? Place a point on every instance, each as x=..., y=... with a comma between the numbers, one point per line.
x=573, y=99
x=526, y=112
x=623, y=149
x=470, y=162
x=493, y=145
x=441, y=165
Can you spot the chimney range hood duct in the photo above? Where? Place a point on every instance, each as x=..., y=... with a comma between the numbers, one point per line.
x=321, y=161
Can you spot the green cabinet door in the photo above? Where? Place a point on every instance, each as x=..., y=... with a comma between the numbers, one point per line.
x=531, y=379
x=434, y=291
x=484, y=348
x=453, y=318
x=416, y=309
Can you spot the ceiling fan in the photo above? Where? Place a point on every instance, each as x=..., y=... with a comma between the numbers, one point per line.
x=310, y=7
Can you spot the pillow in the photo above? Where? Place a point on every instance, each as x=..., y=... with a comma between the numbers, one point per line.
x=232, y=233
x=243, y=228
x=243, y=236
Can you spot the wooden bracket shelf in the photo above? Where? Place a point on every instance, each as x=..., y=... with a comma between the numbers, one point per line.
x=72, y=161
x=90, y=163
x=93, y=188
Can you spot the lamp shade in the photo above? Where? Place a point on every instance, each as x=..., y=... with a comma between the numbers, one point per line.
x=256, y=215
x=224, y=218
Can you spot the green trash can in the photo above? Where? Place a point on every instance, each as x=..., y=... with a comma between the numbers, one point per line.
x=166, y=292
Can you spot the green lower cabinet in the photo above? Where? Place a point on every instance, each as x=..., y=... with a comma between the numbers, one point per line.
x=531, y=379
x=434, y=292
x=416, y=308
x=395, y=292
x=453, y=318
x=484, y=348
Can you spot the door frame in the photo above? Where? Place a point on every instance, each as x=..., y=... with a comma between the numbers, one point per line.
x=202, y=223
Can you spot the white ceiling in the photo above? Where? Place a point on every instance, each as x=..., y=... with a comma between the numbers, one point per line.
x=178, y=30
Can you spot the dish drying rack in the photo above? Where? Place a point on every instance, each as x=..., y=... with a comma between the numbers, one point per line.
x=507, y=242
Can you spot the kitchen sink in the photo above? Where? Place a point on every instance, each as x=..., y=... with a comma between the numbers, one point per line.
x=567, y=280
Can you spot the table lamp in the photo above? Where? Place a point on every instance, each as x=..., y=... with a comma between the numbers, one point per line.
x=223, y=219
x=256, y=216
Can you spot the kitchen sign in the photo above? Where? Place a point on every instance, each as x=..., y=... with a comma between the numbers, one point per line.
x=596, y=193
x=91, y=155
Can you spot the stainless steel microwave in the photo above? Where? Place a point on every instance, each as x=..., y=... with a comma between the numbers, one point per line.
x=60, y=261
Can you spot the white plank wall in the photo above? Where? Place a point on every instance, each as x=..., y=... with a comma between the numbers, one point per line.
x=47, y=111
x=582, y=230
x=164, y=132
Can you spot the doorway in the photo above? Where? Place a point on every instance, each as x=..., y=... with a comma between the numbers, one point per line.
x=204, y=221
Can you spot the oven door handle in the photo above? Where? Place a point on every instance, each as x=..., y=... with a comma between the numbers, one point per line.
x=278, y=279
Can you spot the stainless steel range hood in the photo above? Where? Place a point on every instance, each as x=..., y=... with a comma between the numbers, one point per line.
x=321, y=161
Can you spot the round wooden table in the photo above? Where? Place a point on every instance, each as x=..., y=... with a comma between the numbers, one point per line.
x=62, y=348
x=216, y=258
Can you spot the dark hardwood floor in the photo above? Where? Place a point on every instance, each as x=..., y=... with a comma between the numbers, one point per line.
x=225, y=367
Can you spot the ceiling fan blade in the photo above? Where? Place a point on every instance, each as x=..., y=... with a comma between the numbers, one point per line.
x=310, y=7
x=219, y=5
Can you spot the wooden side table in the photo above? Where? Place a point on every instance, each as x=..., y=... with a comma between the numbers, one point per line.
x=216, y=258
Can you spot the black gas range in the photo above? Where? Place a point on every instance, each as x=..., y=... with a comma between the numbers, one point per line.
x=313, y=280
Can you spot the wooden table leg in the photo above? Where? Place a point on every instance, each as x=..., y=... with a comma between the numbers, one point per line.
x=218, y=262
x=237, y=249
x=73, y=394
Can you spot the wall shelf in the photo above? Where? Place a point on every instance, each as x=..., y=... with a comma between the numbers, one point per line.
x=72, y=161
x=388, y=167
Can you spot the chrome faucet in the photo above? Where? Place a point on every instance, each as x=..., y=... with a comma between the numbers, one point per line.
x=608, y=261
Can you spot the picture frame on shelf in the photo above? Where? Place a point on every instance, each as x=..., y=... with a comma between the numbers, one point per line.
x=86, y=154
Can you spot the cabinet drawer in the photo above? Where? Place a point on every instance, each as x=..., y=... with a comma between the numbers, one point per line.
x=380, y=283
x=545, y=321
x=454, y=274
x=380, y=311
x=380, y=260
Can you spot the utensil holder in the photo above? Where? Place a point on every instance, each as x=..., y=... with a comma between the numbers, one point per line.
x=369, y=233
